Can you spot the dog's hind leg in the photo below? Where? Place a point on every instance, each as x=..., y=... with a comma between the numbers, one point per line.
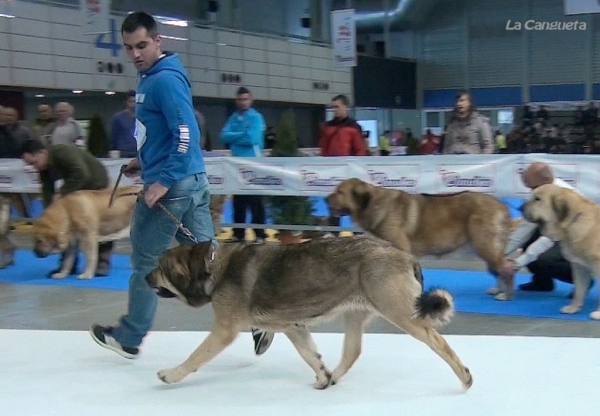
x=423, y=332
x=354, y=327
x=305, y=345
x=212, y=346
x=488, y=237
x=582, y=277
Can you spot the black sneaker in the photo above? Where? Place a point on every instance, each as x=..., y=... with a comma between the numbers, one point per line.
x=262, y=340
x=102, y=336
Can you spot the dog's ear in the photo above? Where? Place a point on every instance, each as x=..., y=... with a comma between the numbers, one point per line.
x=560, y=207
x=200, y=264
x=361, y=195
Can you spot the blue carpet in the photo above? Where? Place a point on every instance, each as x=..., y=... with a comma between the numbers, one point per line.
x=30, y=270
x=469, y=291
x=467, y=287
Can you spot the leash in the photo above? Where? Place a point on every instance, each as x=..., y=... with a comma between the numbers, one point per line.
x=140, y=195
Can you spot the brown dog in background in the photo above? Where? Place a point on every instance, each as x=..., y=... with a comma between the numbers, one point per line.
x=430, y=224
x=84, y=216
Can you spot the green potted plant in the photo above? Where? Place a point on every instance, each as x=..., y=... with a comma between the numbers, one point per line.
x=97, y=142
x=291, y=210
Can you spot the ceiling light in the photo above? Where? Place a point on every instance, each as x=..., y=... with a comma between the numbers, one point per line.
x=8, y=16
x=77, y=91
x=172, y=37
x=171, y=21
x=109, y=92
x=221, y=44
x=39, y=96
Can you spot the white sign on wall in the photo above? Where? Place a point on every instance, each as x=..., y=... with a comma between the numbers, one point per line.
x=343, y=34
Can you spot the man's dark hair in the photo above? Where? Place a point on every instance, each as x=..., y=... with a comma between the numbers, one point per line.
x=342, y=98
x=130, y=93
x=242, y=90
x=468, y=94
x=136, y=20
x=32, y=146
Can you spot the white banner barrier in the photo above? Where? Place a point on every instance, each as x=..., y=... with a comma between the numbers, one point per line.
x=498, y=175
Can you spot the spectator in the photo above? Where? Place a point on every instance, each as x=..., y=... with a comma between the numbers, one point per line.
x=17, y=132
x=468, y=131
x=341, y=136
x=44, y=124
x=67, y=130
x=122, y=128
x=430, y=144
x=245, y=133
x=500, y=142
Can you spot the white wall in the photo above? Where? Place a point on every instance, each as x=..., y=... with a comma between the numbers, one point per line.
x=43, y=46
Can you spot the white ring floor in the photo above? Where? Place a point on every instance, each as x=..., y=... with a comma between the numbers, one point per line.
x=66, y=373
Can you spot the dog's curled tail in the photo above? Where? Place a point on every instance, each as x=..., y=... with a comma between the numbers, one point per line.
x=435, y=304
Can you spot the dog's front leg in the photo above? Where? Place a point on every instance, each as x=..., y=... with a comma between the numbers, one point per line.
x=216, y=342
x=305, y=345
x=582, y=277
x=89, y=245
x=68, y=260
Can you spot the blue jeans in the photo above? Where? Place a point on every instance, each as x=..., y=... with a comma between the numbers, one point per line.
x=152, y=232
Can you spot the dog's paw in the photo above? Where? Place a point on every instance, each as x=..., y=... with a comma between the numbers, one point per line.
x=503, y=296
x=570, y=309
x=468, y=382
x=59, y=275
x=595, y=315
x=493, y=291
x=85, y=276
x=323, y=381
x=172, y=375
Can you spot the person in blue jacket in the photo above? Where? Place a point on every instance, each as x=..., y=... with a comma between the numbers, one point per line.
x=244, y=133
x=173, y=173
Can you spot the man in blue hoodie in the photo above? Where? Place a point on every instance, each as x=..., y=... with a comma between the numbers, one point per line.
x=172, y=169
x=244, y=132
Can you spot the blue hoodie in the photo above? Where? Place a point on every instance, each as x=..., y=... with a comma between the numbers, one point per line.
x=166, y=130
x=245, y=132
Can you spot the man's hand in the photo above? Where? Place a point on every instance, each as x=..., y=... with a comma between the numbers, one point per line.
x=508, y=269
x=132, y=169
x=154, y=193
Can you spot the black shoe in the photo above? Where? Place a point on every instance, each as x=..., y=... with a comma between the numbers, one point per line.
x=534, y=286
x=102, y=336
x=103, y=269
x=262, y=340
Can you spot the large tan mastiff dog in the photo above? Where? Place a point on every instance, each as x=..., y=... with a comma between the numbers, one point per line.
x=287, y=288
x=565, y=216
x=430, y=224
x=83, y=216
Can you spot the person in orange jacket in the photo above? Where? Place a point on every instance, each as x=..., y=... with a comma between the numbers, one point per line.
x=341, y=136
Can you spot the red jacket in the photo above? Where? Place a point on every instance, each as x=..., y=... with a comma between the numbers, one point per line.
x=342, y=137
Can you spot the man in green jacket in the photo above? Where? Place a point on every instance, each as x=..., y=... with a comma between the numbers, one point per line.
x=79, y=170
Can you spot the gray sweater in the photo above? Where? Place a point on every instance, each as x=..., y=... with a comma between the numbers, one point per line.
x=472, y=135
